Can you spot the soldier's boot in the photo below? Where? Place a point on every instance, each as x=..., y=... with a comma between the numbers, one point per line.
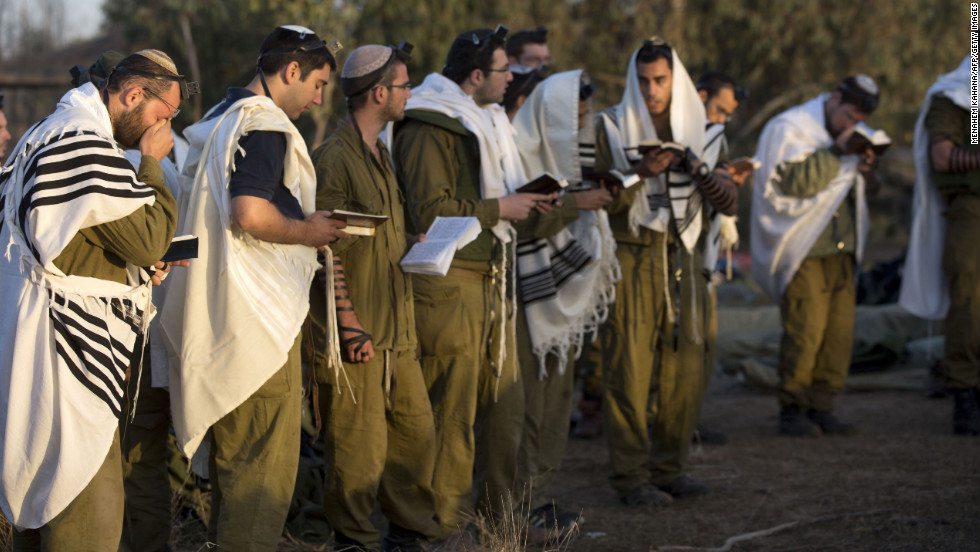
x=966, y=413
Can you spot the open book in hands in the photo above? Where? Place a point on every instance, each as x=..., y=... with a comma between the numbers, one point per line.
x=614, y=180
x=446, y=236
x=864, y=138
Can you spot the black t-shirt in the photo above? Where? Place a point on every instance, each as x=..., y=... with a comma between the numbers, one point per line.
x=258, y=171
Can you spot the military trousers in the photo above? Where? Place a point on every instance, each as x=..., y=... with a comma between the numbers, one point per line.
x=146, y=480
x=817, y=312
x=653, y=363
x=91, y=523
x=253, y=463
x=376, y=454
x=547, y=417
x=477, y=399
x=961, y=263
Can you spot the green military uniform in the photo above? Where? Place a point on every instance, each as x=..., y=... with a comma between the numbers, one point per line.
x=255, y=440
x=547, y=400
x=146, y=523
x=102, y=252
x=477, y=403
x=646, y=356
x=372, y=452
x=817, y=308
x=960, y=254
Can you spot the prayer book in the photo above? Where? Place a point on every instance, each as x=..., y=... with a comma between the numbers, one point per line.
x=649, y=145
x=547, y=183
x=446, y=236
x=181, y=248
x=359, y=224
x=615, y=179
x=744, y=164
x=865, y=138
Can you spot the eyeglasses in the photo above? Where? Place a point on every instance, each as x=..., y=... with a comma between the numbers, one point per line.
x=405, y=86
x=504, y=70
x=176, y=110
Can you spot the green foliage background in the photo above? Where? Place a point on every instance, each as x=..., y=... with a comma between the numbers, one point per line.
x=783, y=51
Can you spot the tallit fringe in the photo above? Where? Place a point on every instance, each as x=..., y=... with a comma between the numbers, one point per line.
x=604, y=295
x=334, y=360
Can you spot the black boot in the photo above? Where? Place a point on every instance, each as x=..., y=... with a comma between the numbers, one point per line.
x=829, y=424
x=966, y=413
x=792, y=423
x=399, y=539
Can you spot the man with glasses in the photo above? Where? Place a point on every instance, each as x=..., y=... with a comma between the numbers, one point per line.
x=809, y=222
x=81, y=222
x=653, y=342
x=233, y=319
x=529, y=49
x=455, y=156
x=380, y=440
x=721, y=97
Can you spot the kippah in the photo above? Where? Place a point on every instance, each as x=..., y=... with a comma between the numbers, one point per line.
x=298, y=29
x=866, y=83
x=160, y=58
x=364, y=68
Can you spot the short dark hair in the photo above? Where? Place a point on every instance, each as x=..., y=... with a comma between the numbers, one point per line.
x=517, y=41
x=119, y=78
x=283, y=46
x=861, y=91
x=713, y=81
x=654, y=49
x=472, y=50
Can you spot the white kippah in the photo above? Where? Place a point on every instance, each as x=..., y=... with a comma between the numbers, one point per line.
x=160, y=58
x=867, y=84
x=366, y=60
x=299, y=29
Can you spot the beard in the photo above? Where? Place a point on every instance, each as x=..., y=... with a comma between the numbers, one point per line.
x=393, y=111
x=129, y=127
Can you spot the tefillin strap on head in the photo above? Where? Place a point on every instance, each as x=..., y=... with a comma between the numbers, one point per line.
x=187, y=89
x=500, y=32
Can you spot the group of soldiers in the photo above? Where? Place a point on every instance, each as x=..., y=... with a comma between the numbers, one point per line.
x=433, y=391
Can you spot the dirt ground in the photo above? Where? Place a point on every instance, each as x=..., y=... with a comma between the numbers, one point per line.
x=903, y=483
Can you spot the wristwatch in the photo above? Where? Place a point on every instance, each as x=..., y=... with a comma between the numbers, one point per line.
x=702, y=171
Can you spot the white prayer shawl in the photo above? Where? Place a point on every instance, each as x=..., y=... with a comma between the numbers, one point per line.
x=722, y=232
x=784, y=228
x=628, y=123
x=501, y=171
x=567, y=281
x=925, y=287
x=234, y=313
x=63, y=359
x=493, y=132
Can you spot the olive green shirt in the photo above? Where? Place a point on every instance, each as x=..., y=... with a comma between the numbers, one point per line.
x=810, y=176
x=949, y=120
x=349, y=177
x=438, y=166
x=140, y=238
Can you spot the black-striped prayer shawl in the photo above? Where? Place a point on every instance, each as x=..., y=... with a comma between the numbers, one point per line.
x=65, y=351
x=567, y=280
